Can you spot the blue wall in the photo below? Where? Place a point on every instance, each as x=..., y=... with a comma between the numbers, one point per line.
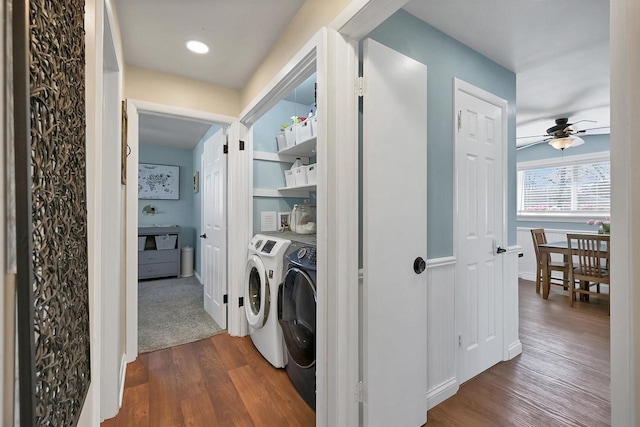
x=171, y=212
x=592, y=144
x=268, y=174
x=447, y=58
x=197, y=197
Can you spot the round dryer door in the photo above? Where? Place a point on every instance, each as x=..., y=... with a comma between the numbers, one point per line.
x=297, y=316
x=256, y=293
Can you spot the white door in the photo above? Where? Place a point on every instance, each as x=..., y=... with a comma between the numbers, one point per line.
x=480, y=174
x=394, y=238
x=214, y=227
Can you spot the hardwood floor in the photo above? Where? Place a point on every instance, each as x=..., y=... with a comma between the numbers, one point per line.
x=560, y=379
x=220, y=381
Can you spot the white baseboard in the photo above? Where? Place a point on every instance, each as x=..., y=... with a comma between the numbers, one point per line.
x=527, y=276
x=442, y=393
x=123, y=375
x=514, y=349
x=197, y=276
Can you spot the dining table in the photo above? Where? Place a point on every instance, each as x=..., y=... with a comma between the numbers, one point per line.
x=559, y=247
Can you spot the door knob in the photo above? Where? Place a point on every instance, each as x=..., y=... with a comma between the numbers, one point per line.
x=501, y=250
x=419, y=265
x=203, y=236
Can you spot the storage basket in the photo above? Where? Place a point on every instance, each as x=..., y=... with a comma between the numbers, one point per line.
x=290, y=135
x=281, y=140
x=314, y=125
x=312, y=177
x=289, y=178
x=303, y=131
x=166, y=241
x=300, y=175
x=142, y=241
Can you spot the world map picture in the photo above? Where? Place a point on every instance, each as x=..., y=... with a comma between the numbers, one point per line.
x=158, y=182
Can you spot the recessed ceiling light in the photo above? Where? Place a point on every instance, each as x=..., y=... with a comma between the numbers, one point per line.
x=197, y=47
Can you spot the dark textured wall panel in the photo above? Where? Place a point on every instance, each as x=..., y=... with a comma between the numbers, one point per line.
x=61, y=299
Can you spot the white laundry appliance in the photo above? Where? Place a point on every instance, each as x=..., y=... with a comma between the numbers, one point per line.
x=263, y=275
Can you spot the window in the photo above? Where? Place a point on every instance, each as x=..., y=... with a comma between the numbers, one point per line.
x=569, y=187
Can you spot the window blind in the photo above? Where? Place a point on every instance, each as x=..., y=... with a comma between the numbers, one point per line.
x=572, y=188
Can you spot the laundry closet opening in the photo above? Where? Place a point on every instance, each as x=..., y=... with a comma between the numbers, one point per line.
x=280, y=281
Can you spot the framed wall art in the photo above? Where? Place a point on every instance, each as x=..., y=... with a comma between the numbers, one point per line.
x=158, y=182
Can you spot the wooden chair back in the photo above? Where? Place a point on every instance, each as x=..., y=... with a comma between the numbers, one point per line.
x=592, y=254
x=539, y=238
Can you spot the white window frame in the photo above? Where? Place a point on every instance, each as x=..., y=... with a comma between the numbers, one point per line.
x=601, y=156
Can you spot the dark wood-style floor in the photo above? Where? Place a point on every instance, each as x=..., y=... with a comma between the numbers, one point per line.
x=560, y=379
x=220, y=381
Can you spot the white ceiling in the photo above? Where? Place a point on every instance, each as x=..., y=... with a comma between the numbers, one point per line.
x=170, y=131
x=239, y=34
x=559, y=49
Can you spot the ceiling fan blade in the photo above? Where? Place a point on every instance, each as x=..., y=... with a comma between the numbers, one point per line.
x=587, y=130
x=580, y=121
x=532, y=136
x=534, y=143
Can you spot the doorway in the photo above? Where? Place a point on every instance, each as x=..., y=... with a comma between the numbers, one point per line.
x=165, y=305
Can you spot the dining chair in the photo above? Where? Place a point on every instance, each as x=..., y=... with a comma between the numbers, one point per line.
x=591, y=253
x=539, y=238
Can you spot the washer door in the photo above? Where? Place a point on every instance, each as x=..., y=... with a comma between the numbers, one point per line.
x=297, y=316
x=256, y=293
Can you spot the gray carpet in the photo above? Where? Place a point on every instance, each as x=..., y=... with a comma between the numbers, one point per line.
x=171, y=312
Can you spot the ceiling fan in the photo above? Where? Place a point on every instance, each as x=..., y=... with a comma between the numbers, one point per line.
x=560, y=136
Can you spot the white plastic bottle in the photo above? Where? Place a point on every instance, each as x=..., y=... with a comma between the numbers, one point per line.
x=297, y=163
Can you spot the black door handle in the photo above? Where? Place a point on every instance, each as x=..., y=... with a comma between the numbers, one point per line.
x=203, y=236
x=419, y=265
x=501, y=250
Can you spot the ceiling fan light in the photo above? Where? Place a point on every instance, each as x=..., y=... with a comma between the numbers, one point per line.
x=566, y=142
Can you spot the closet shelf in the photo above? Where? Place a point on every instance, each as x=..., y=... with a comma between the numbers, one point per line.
x=305, y=148
x=309, y=187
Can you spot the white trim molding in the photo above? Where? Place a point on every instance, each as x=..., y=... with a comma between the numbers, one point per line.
x=625, y=211
x=442, y=392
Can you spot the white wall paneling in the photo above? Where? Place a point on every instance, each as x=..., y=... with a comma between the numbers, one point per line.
x=511, y=337
x=441, y=334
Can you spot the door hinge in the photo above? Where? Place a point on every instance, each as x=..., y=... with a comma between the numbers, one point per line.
x=459, y=340
x=360, y=86
x=225, y=299
x=241, y=145
x=359, y=391
x=459, y=119
x=225, y=148
x=241, y=302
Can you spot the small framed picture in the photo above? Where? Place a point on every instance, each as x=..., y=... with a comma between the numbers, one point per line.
x=283, y=221
x=196, y=182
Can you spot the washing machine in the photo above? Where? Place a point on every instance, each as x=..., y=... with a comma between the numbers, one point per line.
x=263, y=275
x=297, y=298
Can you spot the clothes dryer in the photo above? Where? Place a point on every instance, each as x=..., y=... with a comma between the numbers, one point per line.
x=297, y=299
x=263, y=274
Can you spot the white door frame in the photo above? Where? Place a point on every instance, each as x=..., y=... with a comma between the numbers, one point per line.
x=134, y=108
x=113, y=357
